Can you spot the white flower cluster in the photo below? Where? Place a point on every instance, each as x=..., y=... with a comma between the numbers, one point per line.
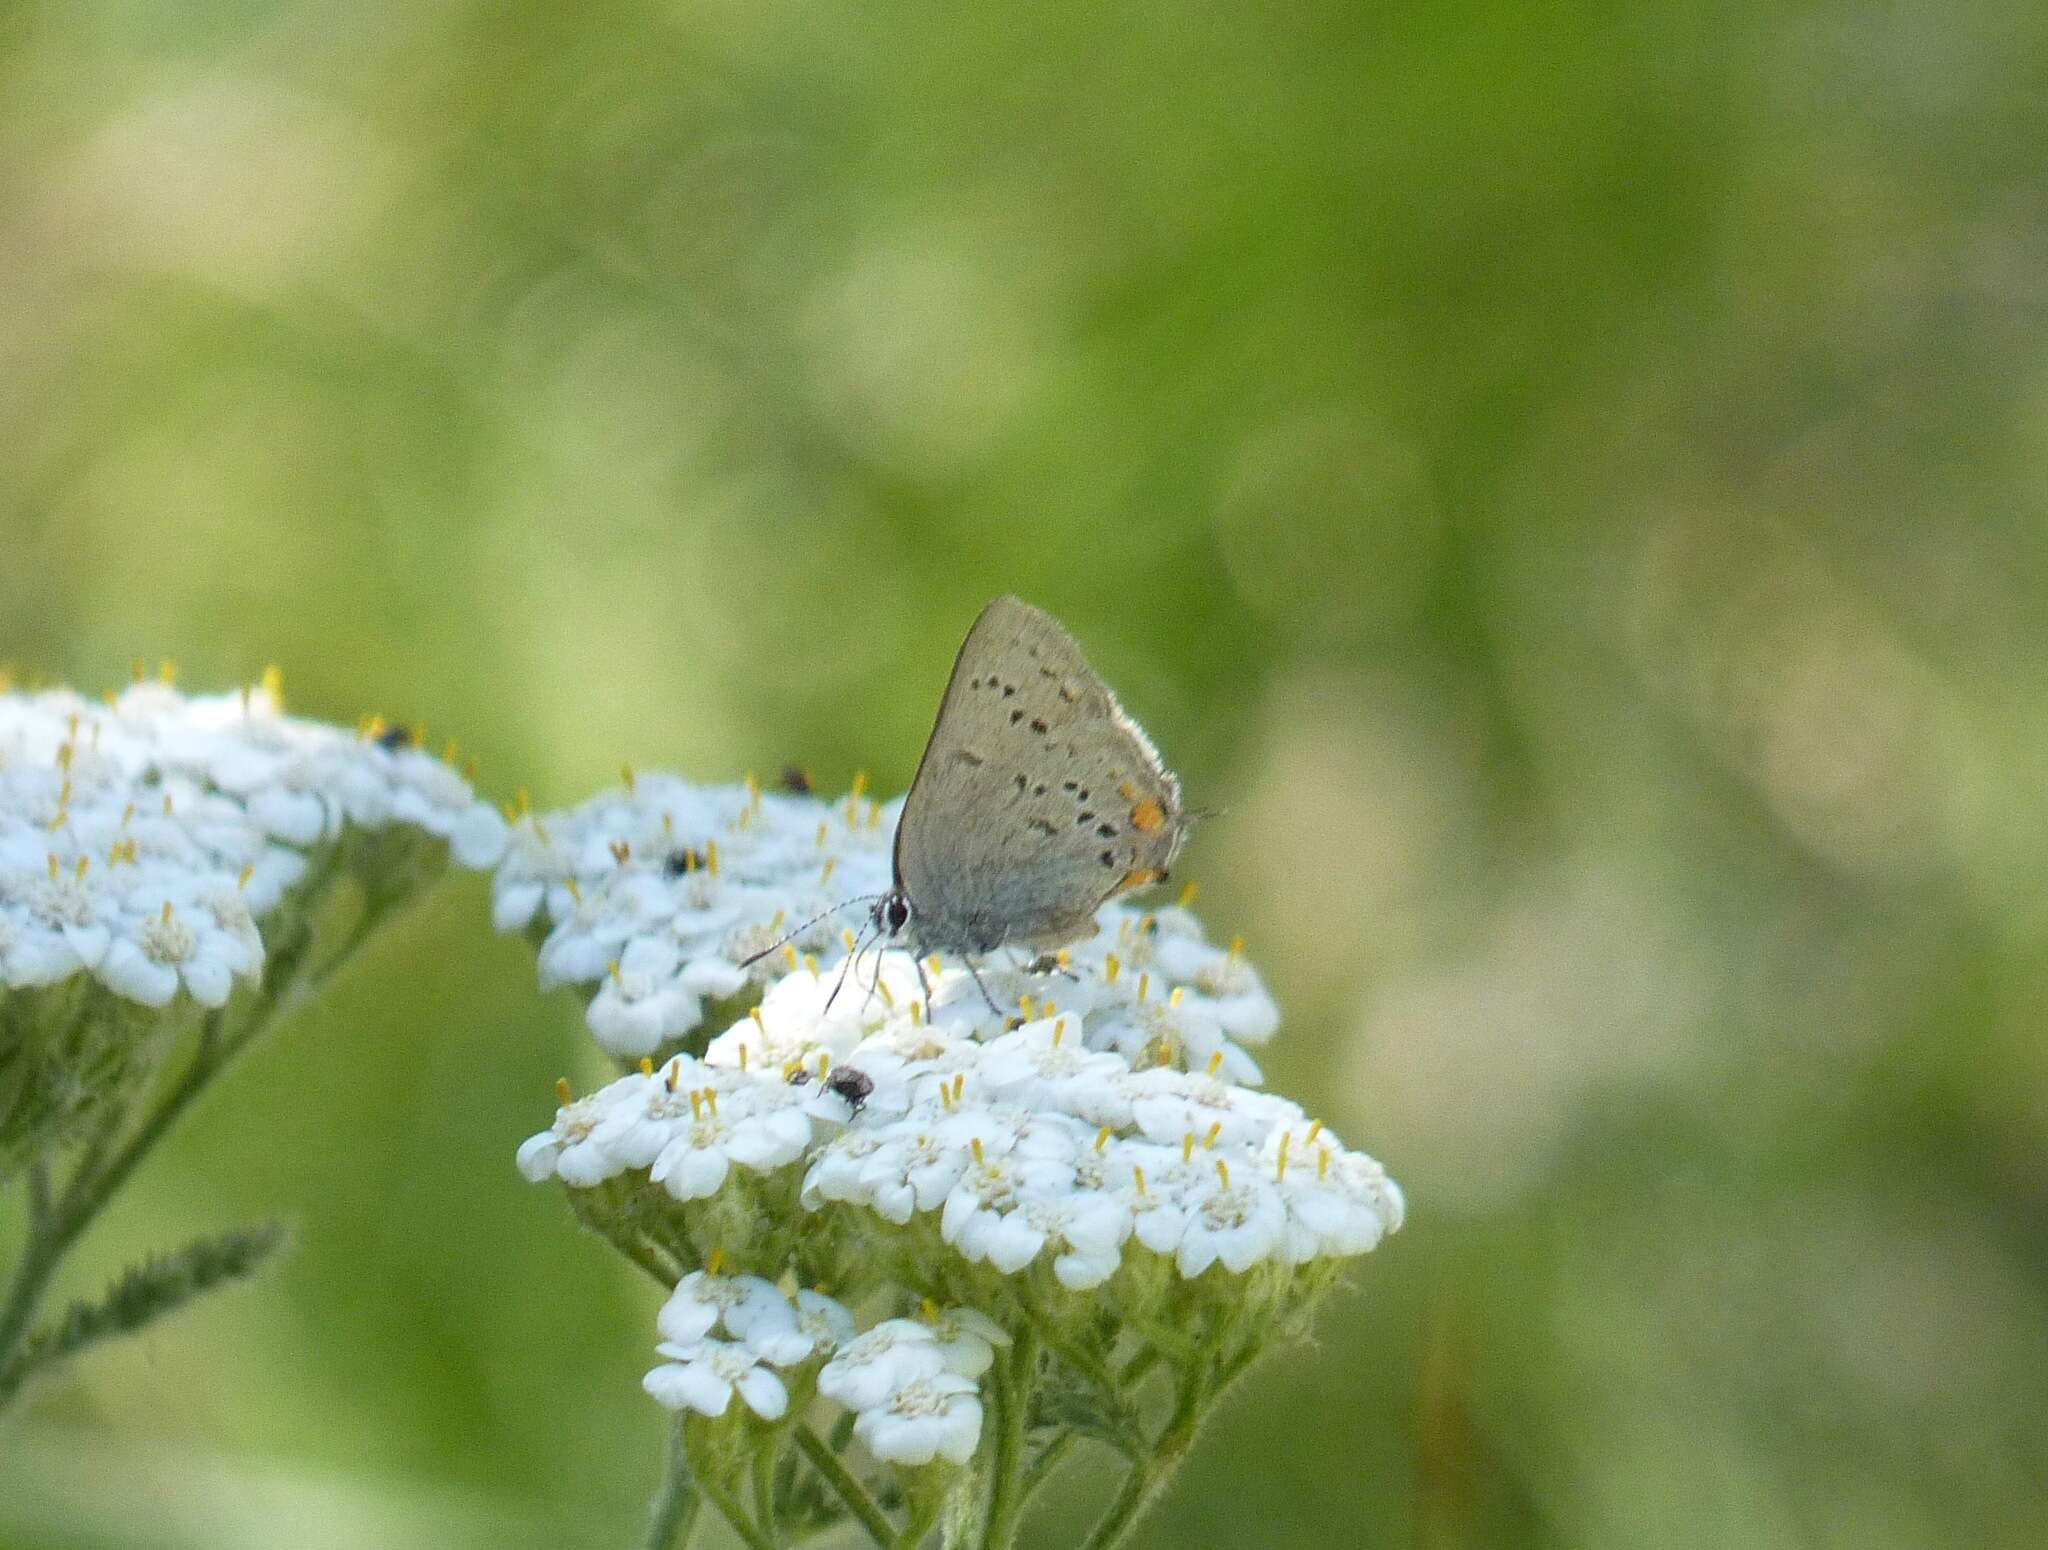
x=1080, y=1142
x=655, y=891
x=1073, y=1133
x=141, y=838
x=909, y=1383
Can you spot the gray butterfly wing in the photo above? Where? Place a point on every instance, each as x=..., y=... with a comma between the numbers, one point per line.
x=1037, y=797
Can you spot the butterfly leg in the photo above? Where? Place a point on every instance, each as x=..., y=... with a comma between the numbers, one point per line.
x=840, y=983
x=980, y=986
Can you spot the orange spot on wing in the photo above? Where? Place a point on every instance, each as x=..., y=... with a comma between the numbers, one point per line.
x=1147, y=816
x=1143, y=877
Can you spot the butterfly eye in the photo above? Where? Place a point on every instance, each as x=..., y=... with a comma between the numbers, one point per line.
x=896, y=914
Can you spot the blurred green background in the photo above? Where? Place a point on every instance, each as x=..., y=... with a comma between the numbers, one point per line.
x=1568, y=481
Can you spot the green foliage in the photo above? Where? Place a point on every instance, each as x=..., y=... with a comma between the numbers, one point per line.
x=144, y=1293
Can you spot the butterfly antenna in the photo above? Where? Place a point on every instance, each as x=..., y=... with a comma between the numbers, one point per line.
x=792, y=935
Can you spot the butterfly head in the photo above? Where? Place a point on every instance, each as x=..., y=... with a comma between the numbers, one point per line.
x=891, y=913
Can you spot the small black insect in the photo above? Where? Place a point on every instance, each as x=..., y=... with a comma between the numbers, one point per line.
x=683, y=861
x=396, y=736
x=796, y=780
x=853, y=1086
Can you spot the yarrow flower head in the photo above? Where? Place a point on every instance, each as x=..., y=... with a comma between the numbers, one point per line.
x=155, y=847
x=1091, y=1181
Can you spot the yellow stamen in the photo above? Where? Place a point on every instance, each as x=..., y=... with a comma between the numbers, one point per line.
x=1216, y=1062
x=1144, y=987
x=1215, y=1134
x=1187, y=894
x=53, y=866
x=811, y=964
x=1025, y=1005
x=824, y=1062
x=167, y=670
x=617, y=978
x=1102, y=1137
x=1187, y=1146
x=711, y=856
x=1280, y=1173
x=575, y=889
x=167, y=912
x=1323, y=1163
x=711, y=1101
x=273, y=683
x=1180, y=994
x=755, y=1013
x=917, y=1014
x=1064, y=958
x=716, y=1263
x=626, y=774
x=980, y=1157
x=848, y=938
x=780, y=917
x=449, y=751
x=1223, y=1172
x=875, y=815
x=696, y=1103
x=936, y=966
x=1314, y=1131
x=1236, y=948
x=675, y=1074
x=647, y=1065
x=248, y=872
x=1112, y=966
x=825, y=876
x=86, y=861
x=888, y=999
x=168, y=804
x=138, y=670
x=523, y=801
x=622, y=851
x=743, y=1060
x=821, y=836
x=1138, y=1178
x=564, y=1093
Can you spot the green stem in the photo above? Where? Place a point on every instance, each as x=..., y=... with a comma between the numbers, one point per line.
x=674, y=1513
x=1047, y=1461
x=764, y=1487
x=1012, y=1394
x=1149, y=1476
x=729, y=1507
x=55, y=1225
x=923, y=1515
x=845, y=1485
